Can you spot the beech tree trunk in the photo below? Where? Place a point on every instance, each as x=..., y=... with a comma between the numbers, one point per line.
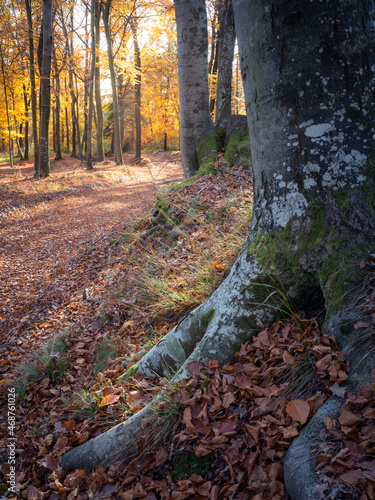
x=26, y=136
x=57, y=111
x=91, y=91
x=195, y=120
x=137, y=92
x=45, y=88
x=6, y=107
x=309, y=87
x=227, y=39
x=98, y=100
x=32, y=88
x=116, y=121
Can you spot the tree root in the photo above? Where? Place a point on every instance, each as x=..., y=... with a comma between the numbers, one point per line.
x=213, y=331
x=301, y=480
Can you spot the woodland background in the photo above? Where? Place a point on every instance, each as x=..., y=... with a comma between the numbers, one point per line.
x=142, y=36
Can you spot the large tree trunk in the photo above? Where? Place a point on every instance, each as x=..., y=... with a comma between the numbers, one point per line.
x=309, y=89
x=137, y=92
x=45, y=88
x=98, y=100
x=195, y=120
x=91, y=92
x=227, y=39
x=116, y=121
x=32, y=88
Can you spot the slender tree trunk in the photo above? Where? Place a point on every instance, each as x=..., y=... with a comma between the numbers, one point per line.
x=20, y=138
x=76, y=118
x=121, y=104
x=195, y=120
x=67, y=129
x=34, y=105
x=116, y=122
x=227, y=39
x=98, y=100
x=91, y=92
x=57, y=136
x=6, y=106
x=54, y=129
x=213, y=64
x=26, y=104
x=137, y=92
x=45, y=88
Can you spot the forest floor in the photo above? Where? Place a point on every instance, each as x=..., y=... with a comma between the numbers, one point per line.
x=95, y=268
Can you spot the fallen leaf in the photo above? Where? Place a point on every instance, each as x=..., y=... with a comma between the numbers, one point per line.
x=360, y=324
x=109, y=400
x=299, y=410
x=337, y=390
x=348, y=418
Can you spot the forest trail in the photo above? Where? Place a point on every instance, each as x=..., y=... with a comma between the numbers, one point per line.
x=52, y=232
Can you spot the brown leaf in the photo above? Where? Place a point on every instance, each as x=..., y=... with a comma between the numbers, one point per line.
x=212, y=363
x=337, y=390
x=348, y=418
x=351, y=477
x=61, y=443
x=243, y=382
x=161, y=456
x=265, y=408
x=134, y=398
x=290, y=432
x=299, y=410
x=360, y=324
x=288, y=358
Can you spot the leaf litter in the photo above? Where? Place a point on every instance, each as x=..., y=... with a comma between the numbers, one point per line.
x=240, y=418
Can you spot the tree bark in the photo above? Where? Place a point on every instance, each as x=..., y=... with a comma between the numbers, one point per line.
x=137, y=92
x=227, y=39
x=309, y=98
x=98, y=100
x=34, y=104
x=57, y=110
x=67, y=129
x=6, y=107
x=86, y=85
x=116, y=122
x=26, y=105
x=91, y=91
x=195, y=120
x=45, y=88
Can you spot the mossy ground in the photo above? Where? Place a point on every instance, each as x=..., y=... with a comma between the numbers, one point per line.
x=188, y=464
x=238, y=149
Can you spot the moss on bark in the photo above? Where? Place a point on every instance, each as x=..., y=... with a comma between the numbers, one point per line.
x=238, y=149
x=323, y=247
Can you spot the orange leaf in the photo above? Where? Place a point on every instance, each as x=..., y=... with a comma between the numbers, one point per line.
x=109, y=400
x=299, y=410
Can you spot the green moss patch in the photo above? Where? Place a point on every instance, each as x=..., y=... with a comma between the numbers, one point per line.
x=207, y=318
x=238, y=149
x=313, y=253
x=208, y=150
x=188, y=464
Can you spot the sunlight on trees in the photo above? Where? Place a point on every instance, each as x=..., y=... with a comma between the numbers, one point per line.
x=145, y=85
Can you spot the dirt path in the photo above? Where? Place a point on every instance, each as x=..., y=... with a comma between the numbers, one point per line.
x=53, y=231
